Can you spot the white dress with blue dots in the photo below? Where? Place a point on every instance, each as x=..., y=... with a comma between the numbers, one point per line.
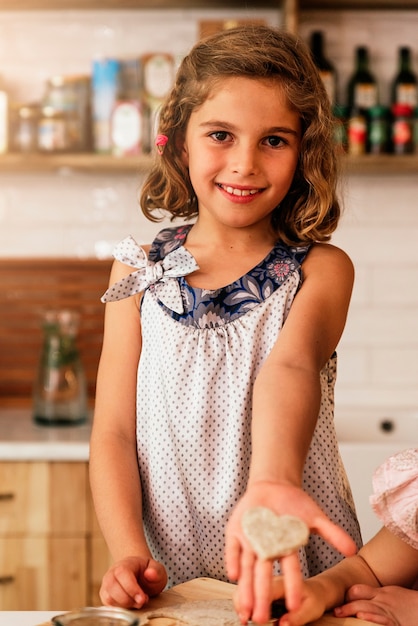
x=201, y=353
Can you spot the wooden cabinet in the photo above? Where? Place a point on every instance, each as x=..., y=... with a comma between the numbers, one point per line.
x=52, y=555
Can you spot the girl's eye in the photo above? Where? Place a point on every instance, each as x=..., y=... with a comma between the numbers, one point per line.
x=274, y=141
x=219, y=135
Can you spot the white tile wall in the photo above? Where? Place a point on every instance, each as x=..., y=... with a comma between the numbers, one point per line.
x=86, y=214
x=379, y=350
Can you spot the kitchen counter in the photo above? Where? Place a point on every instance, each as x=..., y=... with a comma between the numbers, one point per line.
x=198, y=589
x=25, y=618
x=23, y=440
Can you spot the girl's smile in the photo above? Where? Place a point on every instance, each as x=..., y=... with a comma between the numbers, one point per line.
x=240, y=193
x=241, y=149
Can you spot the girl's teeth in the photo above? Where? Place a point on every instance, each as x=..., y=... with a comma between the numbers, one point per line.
x=240, y=192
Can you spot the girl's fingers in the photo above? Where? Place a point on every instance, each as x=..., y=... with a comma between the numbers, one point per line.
x=245, y=586
x=335, y=535
x=361, y=592
x=292, y=581
x=263, y=591
x=232, y=557
x=363, y=609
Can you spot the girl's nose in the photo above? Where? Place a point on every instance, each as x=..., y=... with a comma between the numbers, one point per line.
x=244, y=161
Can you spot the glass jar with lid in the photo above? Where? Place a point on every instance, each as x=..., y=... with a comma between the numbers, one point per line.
x=24, y=127
x=70, y=96
x=53, y=131
x=97, y=616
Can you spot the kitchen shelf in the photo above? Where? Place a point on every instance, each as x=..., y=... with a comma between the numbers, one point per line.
x=358, y=4
x=385, y=164
x=80, y=162
x=288, y=8
x=103, y=163
x=53, y=5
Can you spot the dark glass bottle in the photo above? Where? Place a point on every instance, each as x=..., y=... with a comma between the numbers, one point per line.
x=378, y=132
x=404, y=86
x=362, y=92
x=326, y=69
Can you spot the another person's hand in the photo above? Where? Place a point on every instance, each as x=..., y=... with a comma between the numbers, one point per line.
x=313, y=602
x=129, y=583
x=387, y=606
x=255, y=576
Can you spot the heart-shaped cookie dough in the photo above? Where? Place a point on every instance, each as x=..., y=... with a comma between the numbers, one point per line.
x=273, y=536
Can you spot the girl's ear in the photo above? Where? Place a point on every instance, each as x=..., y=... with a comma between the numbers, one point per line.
x=181, y=149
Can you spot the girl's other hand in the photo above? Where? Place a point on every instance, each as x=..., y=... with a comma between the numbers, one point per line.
x=255, y=576
x=313, y=602
x=129, y=583
x=388, y=606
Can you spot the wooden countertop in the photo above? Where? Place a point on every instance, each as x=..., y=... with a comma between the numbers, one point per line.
x=209, y=589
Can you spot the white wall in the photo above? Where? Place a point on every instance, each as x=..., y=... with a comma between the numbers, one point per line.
x=84, y=215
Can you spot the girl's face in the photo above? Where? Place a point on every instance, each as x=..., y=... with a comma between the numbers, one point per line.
x=241, y=148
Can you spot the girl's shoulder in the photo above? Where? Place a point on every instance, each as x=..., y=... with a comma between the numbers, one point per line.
x=167, y=240
x=327, y=253
x=327, y=264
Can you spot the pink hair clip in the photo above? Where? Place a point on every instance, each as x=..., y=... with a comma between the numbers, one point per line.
x=160, y=142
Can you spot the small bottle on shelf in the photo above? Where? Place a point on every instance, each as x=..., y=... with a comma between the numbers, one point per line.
x=340, y=113
x=356, y=132
x=104, y=90
x=362, y=90
x=127, y=119
x=326, y=69
x=378, y=135
x=402, y=129
x=404, y=86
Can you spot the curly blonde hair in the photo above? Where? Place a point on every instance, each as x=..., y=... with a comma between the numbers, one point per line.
x=311, y=210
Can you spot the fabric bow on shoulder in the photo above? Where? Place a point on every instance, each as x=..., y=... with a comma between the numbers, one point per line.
x=162, y=274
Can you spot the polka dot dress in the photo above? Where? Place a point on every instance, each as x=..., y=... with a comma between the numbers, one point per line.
x=195, y=379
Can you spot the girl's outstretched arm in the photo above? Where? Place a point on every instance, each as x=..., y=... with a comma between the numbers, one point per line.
x=114, y=474
x=384, y=560
x=286, y=404
x=395, y=564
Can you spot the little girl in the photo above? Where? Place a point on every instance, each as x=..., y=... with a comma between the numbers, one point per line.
x=215, y=384
x=379, y=584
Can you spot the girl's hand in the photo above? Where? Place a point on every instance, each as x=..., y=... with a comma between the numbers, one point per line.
x=388, y=606
x=255, y=576
x=313, y=602
x=130, y=582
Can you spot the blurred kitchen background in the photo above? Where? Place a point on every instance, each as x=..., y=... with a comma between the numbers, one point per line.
x=82, y=214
